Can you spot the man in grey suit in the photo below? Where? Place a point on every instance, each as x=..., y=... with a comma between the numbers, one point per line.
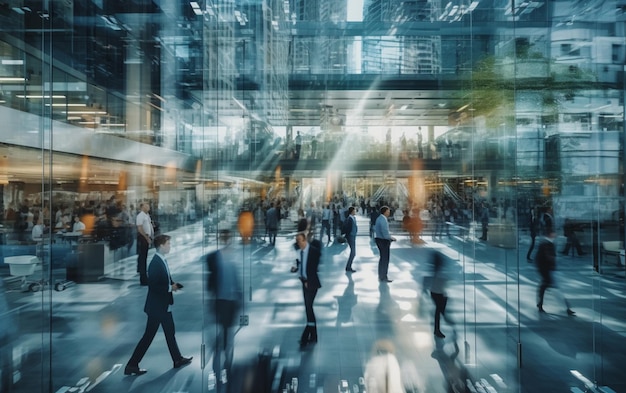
x=158, y=307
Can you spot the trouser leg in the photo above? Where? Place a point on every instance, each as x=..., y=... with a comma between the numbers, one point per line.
x=170, y=336
x=144, y=343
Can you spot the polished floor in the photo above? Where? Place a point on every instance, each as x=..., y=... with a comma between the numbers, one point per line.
x=95, y=326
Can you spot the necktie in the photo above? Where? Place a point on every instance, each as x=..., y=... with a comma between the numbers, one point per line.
x=301, y=263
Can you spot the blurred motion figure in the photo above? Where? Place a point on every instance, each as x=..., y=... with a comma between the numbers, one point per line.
x=382, y=371
x=224, y=286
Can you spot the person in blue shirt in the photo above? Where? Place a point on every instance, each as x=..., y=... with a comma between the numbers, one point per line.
x=383, y=241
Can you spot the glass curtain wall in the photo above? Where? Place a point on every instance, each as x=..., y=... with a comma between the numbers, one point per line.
x=483, y=125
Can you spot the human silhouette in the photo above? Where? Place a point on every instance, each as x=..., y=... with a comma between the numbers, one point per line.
x=546, y=264
x=382, y=371
x=226, y=299
x=438, y=291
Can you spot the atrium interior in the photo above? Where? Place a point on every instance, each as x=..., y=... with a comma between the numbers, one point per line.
x=482, y=125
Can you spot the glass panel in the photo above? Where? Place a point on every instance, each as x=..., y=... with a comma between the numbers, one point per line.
x=482, y=126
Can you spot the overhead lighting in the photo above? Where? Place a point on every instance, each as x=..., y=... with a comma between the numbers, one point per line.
x=156, y=107
x=242, y=106
x=12, y=62
x=64, y=105
x=85, y=112
x=461, y=109
x=196, y=8
x=38, y=96
x=8, y=79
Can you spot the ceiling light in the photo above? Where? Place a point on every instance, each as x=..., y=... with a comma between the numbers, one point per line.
x=85, y=112
x=8, y=79
x=37, y=96
x=63, y=105
x=12, y=62
x=461, y=109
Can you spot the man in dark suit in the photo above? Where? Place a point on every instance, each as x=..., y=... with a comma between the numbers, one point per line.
x=306, y=267
x=351, y=230
x=158, y=307
x=271, y=223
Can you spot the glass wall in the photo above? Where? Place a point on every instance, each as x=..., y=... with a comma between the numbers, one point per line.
x=483, y=125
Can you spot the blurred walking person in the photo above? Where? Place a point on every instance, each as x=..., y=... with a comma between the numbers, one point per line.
x=225, y=289
x=382, y=371
x=546, y=264
x=271, y=223
x=533, y=227
x=441, y=276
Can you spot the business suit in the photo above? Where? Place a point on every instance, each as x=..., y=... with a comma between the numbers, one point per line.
x=351, y=239
x=310, y=256
x=158, y=302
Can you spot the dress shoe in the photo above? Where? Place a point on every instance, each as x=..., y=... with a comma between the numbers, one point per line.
x=129, y=370
x=439, y=334
x=385, y=280
x=350, y=270
x=571, y=312
x=182, y=362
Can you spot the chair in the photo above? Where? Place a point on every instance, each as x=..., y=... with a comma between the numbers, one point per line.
x=611, y=248
x=24, y=266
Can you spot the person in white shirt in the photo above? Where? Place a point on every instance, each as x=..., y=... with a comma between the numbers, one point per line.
x=326, y=217
x=38, y=230
x=78, y=225
x=383, y=241
x=145, y=234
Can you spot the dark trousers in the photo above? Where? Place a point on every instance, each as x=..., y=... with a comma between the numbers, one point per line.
x=226, y=312
x=532, y=245
x=6, y=364
x=310, y=331
x=154, y=321
x=325, y=226
x=440, y=308
x=142, y=258
x=352, y=243
x=541, y=292
x=572, y=241
x=485, y=230
x=272, y=235
x=383, y=262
